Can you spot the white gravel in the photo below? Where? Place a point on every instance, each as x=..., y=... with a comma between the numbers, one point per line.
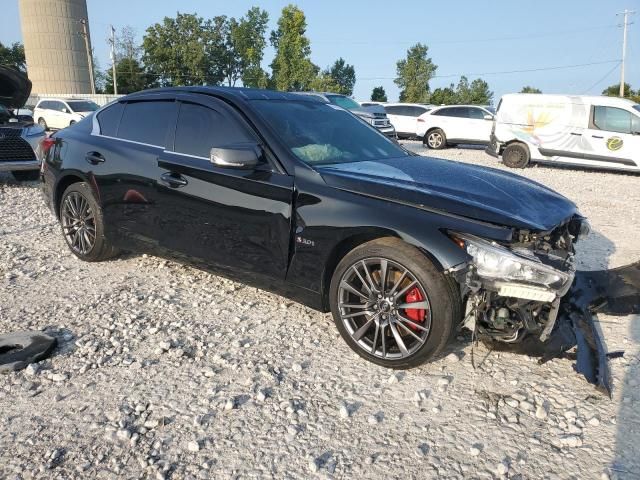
x=164, y=371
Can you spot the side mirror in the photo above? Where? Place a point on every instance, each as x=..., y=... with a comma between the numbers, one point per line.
x=488, y=117
x=243, y=156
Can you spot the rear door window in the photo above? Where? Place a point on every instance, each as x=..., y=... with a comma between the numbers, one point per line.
x=201, y=128
x=109, y=118
x=147, y=121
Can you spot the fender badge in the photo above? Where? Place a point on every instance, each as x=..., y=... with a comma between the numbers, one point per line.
x=614, y=143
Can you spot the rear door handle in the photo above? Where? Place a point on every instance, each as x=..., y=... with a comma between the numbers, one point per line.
x=174, y=180
x=597, y=136
x=94, y=158
x=576, y=134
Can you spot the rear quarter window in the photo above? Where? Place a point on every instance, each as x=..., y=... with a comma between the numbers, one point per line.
x=109, y=118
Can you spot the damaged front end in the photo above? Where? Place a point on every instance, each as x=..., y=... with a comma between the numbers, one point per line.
x=521, y=296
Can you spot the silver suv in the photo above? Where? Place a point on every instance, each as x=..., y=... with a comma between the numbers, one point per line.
x=374, y=115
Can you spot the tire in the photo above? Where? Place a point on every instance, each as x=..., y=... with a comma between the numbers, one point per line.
x=87, y=242
x=72, y=122
x=435, y=139
x=26, y=175
x=516, y=155
x=365, y=320
x=43, y=123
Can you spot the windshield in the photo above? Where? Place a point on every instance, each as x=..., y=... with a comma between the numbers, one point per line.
x=83, y=106
x=344, y=102
x=319, y=133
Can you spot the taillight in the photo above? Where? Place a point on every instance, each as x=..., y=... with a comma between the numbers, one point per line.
x=47, y=143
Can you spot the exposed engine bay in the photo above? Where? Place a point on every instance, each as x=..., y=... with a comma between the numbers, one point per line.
x=527, y=296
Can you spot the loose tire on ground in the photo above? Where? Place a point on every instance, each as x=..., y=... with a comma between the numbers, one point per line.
x=435, y=139
x=438, y=301
x=82, y=224
x=516, y=155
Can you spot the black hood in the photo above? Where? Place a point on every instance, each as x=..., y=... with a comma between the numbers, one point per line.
x=15, y=87
x=471, y=191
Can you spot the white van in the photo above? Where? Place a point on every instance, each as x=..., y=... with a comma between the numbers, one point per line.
x=596, y=132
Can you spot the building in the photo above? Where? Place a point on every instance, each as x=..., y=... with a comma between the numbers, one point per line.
x=54, y=45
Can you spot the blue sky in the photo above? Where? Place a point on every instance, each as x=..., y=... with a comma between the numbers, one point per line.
x=464, y=37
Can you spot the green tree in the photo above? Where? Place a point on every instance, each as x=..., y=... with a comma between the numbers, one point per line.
x=463, y=94
x=13, y=56
x=614, y=90
x=186, y=50
x=323, y=82
x=246, y=41
x=292, y=68
x=344, y=76
x=414, y=73
x=480, y=93
x=444, y=96
x=378, y=94
x=131, y=77
x=528, y=89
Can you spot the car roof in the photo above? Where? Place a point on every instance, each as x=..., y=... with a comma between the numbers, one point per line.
x=60, y=99
x=423, y=105
x=599, y=99
x=237, y=93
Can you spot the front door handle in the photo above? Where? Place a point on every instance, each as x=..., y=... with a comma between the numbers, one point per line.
x=94, y=158
x=174, y=180
x=576, y=134
x=597, y=136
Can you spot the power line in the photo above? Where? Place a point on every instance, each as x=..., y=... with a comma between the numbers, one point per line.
x=601, y=79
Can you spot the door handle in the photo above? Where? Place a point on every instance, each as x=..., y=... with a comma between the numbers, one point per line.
x=576, y=134
x=94, y=158
x=174, y=180
x=597, y=136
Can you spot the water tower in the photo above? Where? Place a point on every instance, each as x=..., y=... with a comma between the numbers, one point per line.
x=55, y=46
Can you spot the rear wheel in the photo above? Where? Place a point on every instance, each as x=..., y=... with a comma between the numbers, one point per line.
x=43, y=123
x=391, y=304
x=516, y=155
x=435, y=139
x=82, y=224
x=26, y=175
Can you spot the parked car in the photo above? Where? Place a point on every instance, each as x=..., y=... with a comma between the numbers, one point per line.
x=405, y=117
x=61, y=112
x=374, y=115
x=20, y=138
x=596, y=132
x=455, y=124
x=288, y=193
x=370, y=103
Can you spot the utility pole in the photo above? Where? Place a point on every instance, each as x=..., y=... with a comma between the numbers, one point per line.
x=112, y=41
x=85, y=34
x=625, y=23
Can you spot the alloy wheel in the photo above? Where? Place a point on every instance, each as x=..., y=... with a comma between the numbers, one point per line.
x=78, y=223
x=434, y=139
x=384, y=308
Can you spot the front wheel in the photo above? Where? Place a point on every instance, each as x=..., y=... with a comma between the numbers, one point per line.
x=435, y=139
x=391, y=304
x=43, y=123
x=82, y=224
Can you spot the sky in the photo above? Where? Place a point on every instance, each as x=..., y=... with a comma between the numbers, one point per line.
x=493, y=40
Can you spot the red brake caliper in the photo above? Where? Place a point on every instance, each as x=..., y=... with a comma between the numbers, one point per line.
x=415, y=314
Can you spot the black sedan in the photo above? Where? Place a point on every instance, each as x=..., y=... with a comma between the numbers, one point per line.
x=299, y=197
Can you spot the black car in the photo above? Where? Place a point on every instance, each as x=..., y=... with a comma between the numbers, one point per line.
x=290, y=194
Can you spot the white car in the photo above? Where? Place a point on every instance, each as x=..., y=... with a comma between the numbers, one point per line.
x=588, y=131
x=61, y=112
x=455, y=124
x=405, y=117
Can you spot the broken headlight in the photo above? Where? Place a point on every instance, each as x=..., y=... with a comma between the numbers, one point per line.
x=495, y=262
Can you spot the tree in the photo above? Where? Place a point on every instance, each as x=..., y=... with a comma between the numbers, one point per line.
x=614, y=90
x=414, y=73
x=344, y=76
x=186, y=50
x=131, y=77
x=292, y=68
x=13, y=56
x=378, y=94
x=126, y=45
x=480, y=93
x=246, y=41
x=324, y=82
x=528, y=89
x=444, y=96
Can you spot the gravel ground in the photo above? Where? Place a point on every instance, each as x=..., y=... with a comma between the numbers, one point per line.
x=164, y=371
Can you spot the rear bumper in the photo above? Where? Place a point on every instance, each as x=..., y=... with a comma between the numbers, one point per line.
x=19, y=165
